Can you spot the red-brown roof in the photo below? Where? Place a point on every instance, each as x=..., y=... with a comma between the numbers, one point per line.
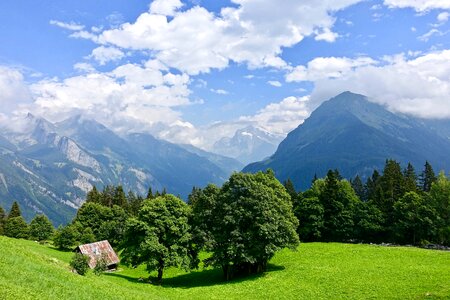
x=98, y=249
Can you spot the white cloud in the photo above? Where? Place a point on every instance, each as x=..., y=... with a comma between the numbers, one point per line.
x=327, y=67
x=326, y=35
x=274, y=83
x=69, y=26
x=254, y=32
x=130, y=98
x=418, y=5
x=219, y=91
x=165, y=7
x=425, y=37
x=281, y=117
x=84, y=67
x=14, y=90
x=443, y=17
x=106, y=54
x=418, y=86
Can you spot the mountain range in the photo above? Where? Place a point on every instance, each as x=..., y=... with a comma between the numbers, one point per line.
x=356, y=136
x=248, y=144
x=49, y=167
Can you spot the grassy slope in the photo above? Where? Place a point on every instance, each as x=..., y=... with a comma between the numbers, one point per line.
x=316, y=271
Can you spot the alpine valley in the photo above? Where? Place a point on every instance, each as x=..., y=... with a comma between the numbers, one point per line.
x=48, y=168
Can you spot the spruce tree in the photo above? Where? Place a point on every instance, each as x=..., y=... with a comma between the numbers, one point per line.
x=15, y=211
x=2, y=220
x=427, y=177
x=150, y=193
x=93, y=195
x=16, y=227
x=410, y=184
x=119, y=197
x=290, y=189
x=358, y=186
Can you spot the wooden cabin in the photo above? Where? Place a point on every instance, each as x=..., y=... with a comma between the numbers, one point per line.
x=96, y=251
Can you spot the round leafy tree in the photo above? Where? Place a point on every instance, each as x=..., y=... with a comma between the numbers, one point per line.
x=160, y=236
x=251, y=220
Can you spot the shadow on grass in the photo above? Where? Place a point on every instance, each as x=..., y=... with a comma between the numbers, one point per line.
x=203, y=278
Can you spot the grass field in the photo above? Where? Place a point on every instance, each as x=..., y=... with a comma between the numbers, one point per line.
x=316, y=271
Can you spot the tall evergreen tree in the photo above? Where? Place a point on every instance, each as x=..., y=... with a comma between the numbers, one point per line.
x=290, y=189
x=93, y=195
x=372, y=184
x=427, y=177
x=358, y=186
x=149, y=193
x=338, y=200
x=15, y=211
x=107, y=196
x=410, y=179
x=16, y=227
x=2, y=220
x=119, y=197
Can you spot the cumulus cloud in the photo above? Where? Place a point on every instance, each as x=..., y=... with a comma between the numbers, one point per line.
x=327, y=67
x=165, y=7
x=197, y=40
x=14, y=90
x=131, y=97
x=419, y=86
x=443, y=17
x=106, y=54
x=281, y=117
x=418, y=5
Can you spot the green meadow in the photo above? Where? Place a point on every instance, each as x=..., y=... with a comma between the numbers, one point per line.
x=29, y=270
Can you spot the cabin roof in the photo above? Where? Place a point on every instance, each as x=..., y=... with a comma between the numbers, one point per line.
x=98, y=249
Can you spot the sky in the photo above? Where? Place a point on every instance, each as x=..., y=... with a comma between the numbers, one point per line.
x=194, y=71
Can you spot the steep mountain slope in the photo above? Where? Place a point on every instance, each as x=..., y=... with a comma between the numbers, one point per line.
x=248, y=144
x=355, y=136
x=49, y=167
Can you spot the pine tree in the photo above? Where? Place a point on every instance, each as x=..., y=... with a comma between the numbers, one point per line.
x=93, y=195
x=150, y=193
x=107, y=196
x=427, y=177
x=410, y=178
x=15, y=211
x=290, y=189
x=358, y=186
x=2, y=220
x=16, y=227
x=119, y=197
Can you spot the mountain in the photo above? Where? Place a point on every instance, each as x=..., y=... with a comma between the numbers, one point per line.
x=356, y=136
x=248, y=144
x=48, y=168
x=228, y=164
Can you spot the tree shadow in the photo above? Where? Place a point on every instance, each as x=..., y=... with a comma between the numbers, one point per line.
x=202, y=278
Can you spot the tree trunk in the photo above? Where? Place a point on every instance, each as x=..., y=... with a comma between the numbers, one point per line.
x=160, y=271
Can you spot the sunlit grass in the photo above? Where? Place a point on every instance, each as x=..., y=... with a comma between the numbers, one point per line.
x=316, y=271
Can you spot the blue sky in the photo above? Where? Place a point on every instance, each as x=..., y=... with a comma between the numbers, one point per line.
x=195, y=71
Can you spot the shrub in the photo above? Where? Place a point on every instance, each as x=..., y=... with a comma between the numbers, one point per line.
x=101, y=265
x=80, y=263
